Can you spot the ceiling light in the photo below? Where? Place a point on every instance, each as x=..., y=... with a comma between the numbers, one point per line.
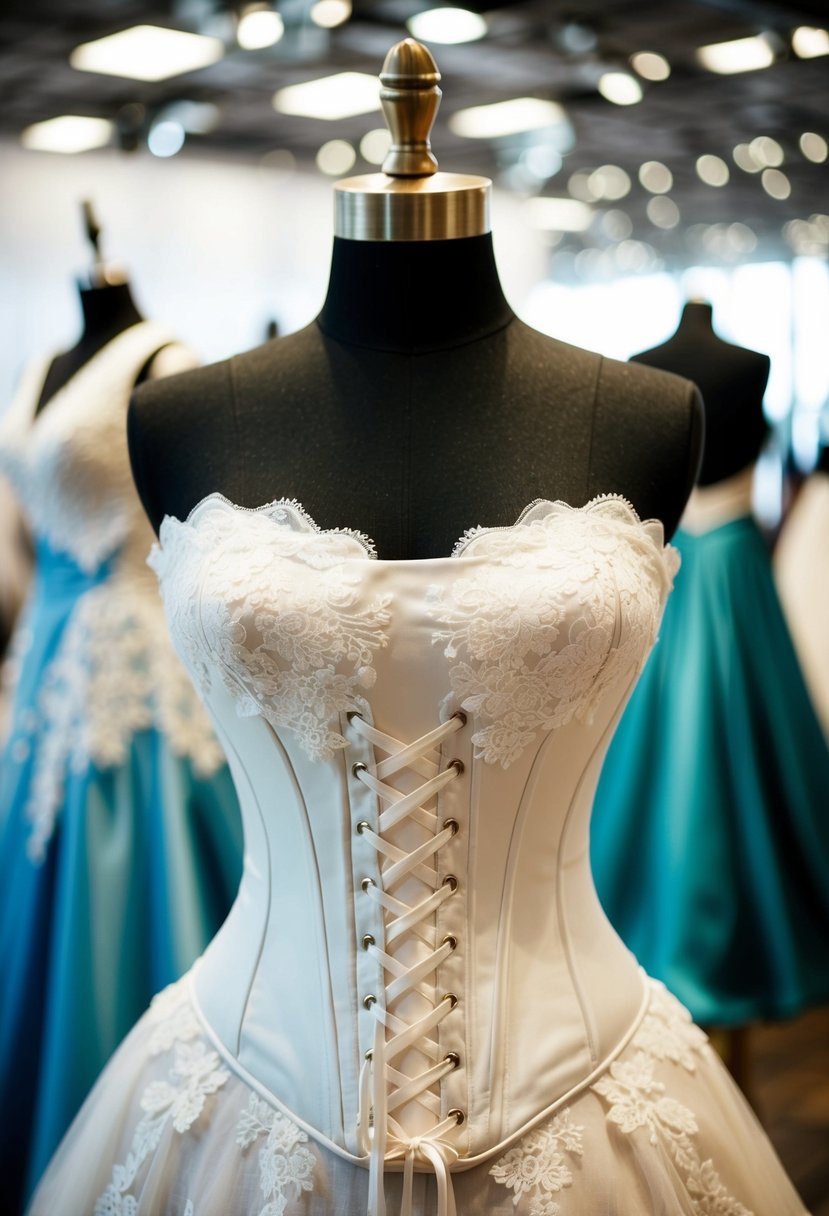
x=739, y=55
x=330, y=13
x=68, y=133
x=340, y=96
x=650, y=66
x=166, y=138
x=742, y=238
x=447, y=25
x=147, y=52
x=656, y=177
x=620, y=87
x=809, y=42
x=616, y=225
x=814, y=147
x=336, y=157
x=610, y=182
x=258, y=28
x=712, y=170
x=743, y=159
x=374, y=145
x=766, y=152
x=506, y=118
x=541, y=161
x=663, y=212
x=579, y=186
x=776, y=184
x=559, y=214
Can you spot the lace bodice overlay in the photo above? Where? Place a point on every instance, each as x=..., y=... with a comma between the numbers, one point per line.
x=112, y=670
x=416, y=745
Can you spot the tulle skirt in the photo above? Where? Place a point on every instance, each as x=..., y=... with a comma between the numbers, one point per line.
x=710, y=831
x=171, y=1130
x=113, y=876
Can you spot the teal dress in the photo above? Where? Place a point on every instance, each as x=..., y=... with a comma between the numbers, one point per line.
x=120, y=839
x=710, y=831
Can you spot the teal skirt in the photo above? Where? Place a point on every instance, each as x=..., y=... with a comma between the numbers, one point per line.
x=106, y=896
x=710, y=831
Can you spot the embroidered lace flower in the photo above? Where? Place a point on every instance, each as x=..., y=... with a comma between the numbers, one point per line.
x=286, y=1166
x=279, y=609
x=637, y=1102
x=115, y=674
x=196, y=1073
x=567, y=601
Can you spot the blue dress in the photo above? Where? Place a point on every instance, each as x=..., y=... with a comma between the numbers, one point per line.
x=120, y=841
x=710, y=831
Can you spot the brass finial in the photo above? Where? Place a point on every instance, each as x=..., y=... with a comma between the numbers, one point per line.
x=410, y=98
x=410, y=200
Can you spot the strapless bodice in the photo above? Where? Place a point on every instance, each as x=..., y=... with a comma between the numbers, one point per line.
x=416, y=966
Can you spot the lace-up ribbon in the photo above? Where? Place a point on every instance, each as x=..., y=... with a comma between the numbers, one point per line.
x=384, y=1088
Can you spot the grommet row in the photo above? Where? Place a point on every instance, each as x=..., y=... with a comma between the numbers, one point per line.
x=450, y=940
x=452, y=1058
x=451, y=882
x=459, y=714
x=450, y=996
x=358, y=768
x=457, y=765
x=456, y=1114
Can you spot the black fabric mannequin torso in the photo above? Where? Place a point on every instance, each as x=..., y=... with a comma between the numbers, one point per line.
x=732, y=380
x=107, y=311
x=415, y=406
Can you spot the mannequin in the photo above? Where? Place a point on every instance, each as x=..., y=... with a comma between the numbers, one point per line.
x=108, y=309
x=416, y=404
x=732, y=380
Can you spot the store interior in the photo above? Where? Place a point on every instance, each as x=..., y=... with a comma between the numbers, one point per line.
x=643, y=156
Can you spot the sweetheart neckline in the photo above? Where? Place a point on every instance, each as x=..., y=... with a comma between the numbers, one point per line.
x=458, y=553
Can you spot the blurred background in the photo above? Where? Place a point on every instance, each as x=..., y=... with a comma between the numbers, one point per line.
x=642, y=152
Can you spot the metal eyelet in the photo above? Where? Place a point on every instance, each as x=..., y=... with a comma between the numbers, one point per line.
x=458, y=1115
x=453, y=825
x=361, y=826
x=352, y=714
x=366, y=883
x=368, y=940
x=357, y=768
x=457, y=765
x=451, y=882
x=452, y=1058
x=369, y=1000
x=461, y=716
x=450, y=996
x=450, y=940
x=369, y=1055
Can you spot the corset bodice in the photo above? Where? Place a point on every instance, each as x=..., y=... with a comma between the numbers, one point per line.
x=416, y=965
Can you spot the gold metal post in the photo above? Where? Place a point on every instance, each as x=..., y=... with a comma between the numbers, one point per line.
x=410, y=200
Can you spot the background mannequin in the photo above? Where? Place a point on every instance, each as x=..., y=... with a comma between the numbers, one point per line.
x=732, y=381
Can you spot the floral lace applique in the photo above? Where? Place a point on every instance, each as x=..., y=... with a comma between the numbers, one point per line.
x=567, y=601
x=286, y=1166
x=636, y=1102
x=114, y=674
x=196, y=1074
x=537, y=1167
x=279, y=610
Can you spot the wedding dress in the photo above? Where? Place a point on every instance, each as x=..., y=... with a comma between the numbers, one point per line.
x=120, y=837
x=416, y=1004
x=710, y=838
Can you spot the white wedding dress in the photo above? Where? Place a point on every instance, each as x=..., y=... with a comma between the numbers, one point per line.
x=416, y=1004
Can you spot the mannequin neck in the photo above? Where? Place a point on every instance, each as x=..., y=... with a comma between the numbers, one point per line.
x=697, y=315
x=413, y=296
x=107, y=311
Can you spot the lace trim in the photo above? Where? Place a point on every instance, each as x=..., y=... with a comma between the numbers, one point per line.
x=115, y=673
x=557, y=614
x=278, y=614
x=536, y=1168
x=293, y=642
x=286, y=1166
x=195, y=1075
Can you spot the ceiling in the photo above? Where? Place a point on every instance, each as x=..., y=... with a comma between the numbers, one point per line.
x=525, y=52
